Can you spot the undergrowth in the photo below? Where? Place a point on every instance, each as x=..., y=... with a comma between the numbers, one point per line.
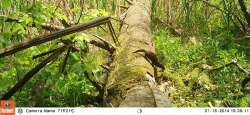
x=190, y=69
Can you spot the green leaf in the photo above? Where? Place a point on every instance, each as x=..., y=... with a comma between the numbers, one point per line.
x=82, y=37
x=26, y=20
x=18, y=28
x=76, y=57
x=6, y=4
x=93, y=13
x=61, y=16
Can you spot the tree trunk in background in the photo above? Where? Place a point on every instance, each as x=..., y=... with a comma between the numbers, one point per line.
x=129, y=85
x=244, y=11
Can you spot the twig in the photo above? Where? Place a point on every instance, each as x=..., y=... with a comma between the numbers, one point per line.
x=125, y=7
x=69, y=43
x=65, y=23
x=103, y=29
x=105, y=67
x=112, y=32
x=103, y=45
x=233, y=62
x=65, y=60
x=221, y=67
x=44, y=53
x=104, y=40
x=81, y=3
x=241, y=68
x=120, y=21
x=129, y=2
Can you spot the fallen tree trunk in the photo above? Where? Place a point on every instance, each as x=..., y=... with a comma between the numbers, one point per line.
x=129, y=85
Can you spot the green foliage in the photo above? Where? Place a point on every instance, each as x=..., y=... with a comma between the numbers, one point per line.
x=5, y=4
x=70, y=88
x=184, y=62
x=208, y=41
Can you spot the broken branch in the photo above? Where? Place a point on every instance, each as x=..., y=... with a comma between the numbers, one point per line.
x=94, y=83
x=65, y=60
x=103, y=45
x=112, y=32
x=104, y=40
x=45, y=38
x=234, y=62
x=44, y=53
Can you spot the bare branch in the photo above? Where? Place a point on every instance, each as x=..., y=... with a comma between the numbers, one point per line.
x=112, y=32
x=129, y=2
x=125, y=7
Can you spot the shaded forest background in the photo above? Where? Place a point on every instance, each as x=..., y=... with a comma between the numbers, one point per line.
x=203, y=44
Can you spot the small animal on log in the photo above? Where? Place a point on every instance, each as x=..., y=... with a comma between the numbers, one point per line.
x=150, y=56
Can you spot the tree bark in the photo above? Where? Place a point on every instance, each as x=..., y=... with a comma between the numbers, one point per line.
x=129, y=84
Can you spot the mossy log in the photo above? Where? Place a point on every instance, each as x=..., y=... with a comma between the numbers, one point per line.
x=128, y=83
